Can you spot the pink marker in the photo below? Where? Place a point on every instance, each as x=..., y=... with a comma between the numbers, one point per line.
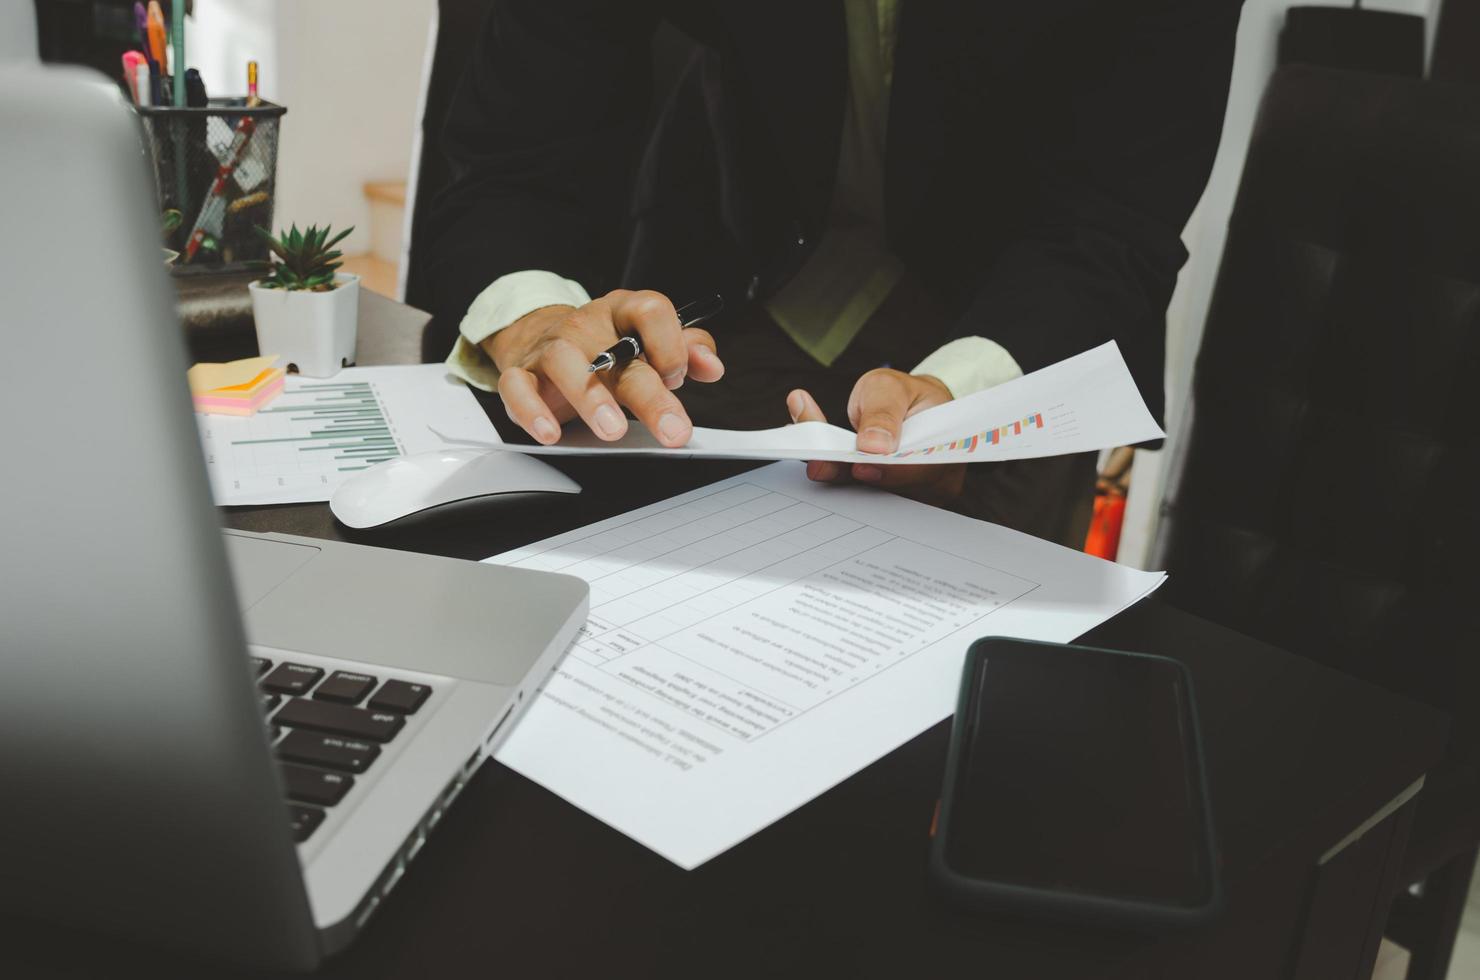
x=132, y=62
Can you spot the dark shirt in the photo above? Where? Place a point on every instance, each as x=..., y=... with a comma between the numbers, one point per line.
x=1042, y=157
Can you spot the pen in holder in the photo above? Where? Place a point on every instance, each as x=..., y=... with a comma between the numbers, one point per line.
x=217, y=167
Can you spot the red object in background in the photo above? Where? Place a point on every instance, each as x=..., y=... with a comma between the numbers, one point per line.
x=1103, y=539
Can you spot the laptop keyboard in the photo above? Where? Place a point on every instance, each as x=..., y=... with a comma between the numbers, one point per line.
x=326, y=730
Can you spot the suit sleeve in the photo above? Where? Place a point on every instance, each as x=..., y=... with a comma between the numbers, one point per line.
x=542, y=139
x=1099, y=259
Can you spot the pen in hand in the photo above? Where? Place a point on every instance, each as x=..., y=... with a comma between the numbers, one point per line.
x=630, y=347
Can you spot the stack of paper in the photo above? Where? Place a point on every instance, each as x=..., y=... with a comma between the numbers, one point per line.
x=753, y=642
x=236, y=387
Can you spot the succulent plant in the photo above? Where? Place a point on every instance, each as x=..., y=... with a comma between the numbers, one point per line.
x=306, y=260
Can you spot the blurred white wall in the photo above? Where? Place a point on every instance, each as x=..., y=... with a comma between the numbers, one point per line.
x=226, y=34
x=1254, y=62
x=349, y=72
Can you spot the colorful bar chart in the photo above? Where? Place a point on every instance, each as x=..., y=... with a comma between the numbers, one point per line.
x=986, y=437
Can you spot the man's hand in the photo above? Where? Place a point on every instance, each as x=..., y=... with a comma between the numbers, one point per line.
x=544, y=361
x=881, y=401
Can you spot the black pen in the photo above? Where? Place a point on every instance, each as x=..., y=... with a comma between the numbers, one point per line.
x=630, y=346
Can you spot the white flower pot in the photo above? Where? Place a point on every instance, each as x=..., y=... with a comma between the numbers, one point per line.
x=312, y=332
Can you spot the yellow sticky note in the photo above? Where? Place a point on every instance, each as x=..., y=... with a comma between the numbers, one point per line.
x=249, y=389
x=209, y=377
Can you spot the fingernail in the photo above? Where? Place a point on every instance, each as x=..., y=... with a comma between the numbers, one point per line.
x=545, y=430
x=876, y=440
x=794, y=405
x=608, y=421
x=672, y=428
x=867, y=473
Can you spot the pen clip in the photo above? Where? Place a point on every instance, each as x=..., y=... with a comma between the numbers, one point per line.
x=690, y=314
x=695, y=313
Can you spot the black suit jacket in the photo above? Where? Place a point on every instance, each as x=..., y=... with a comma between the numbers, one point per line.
x=1042, y=156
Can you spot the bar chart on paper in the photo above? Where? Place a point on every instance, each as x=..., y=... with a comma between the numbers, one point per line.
x=346, y=422
x=1031, y=424
x=319, y=432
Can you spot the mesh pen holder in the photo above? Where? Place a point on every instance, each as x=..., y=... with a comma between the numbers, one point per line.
x=216, y=166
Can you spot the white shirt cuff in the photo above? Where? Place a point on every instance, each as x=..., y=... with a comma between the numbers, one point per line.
x=505, y=300
x=970, y=364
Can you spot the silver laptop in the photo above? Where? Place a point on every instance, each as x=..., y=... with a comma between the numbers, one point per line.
x=242, y=756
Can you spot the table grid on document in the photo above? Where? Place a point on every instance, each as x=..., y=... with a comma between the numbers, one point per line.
x=667, y=571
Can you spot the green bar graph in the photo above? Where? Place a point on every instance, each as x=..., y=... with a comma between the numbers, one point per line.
x=344, y=421
x=319, y=432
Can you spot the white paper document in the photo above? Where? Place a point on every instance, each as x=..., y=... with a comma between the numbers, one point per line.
x=756, y=641
x=320, y=431
x=1085, y=403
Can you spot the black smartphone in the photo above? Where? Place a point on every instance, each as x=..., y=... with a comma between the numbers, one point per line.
x=1075, y=788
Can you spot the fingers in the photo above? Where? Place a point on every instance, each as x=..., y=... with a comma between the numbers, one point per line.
x=643, y=385
x=935, y=484
x=804, y=408
x=897, y=477
x=674, y=351
x=650, y=315
x=567, y=366
x=881, y=401
x=877, y=408
x=544, y=359
x=704, y=362
x=939, y=484
x=640, y=389
x=519, y=391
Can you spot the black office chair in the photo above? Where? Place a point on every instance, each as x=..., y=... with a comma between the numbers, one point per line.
x=459, y=23
x=1353, y=39
x=1330, y=501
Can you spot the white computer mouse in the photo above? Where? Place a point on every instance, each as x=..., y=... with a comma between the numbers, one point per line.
x=408, y=485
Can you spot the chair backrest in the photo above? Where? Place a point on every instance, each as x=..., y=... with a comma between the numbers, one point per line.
x=1353, y=39
x=459, y=24
x=1331, y=497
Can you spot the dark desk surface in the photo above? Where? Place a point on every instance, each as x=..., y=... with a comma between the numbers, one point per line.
x=516, y=882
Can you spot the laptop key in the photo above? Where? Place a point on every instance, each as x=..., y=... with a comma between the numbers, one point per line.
x=269, y=701
x=345, y=688
x=291, y=679
x=330, y=751
x=400, y=696
x=316, y=786
x=339, y=719
x=304, y=820
x=261, y=665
